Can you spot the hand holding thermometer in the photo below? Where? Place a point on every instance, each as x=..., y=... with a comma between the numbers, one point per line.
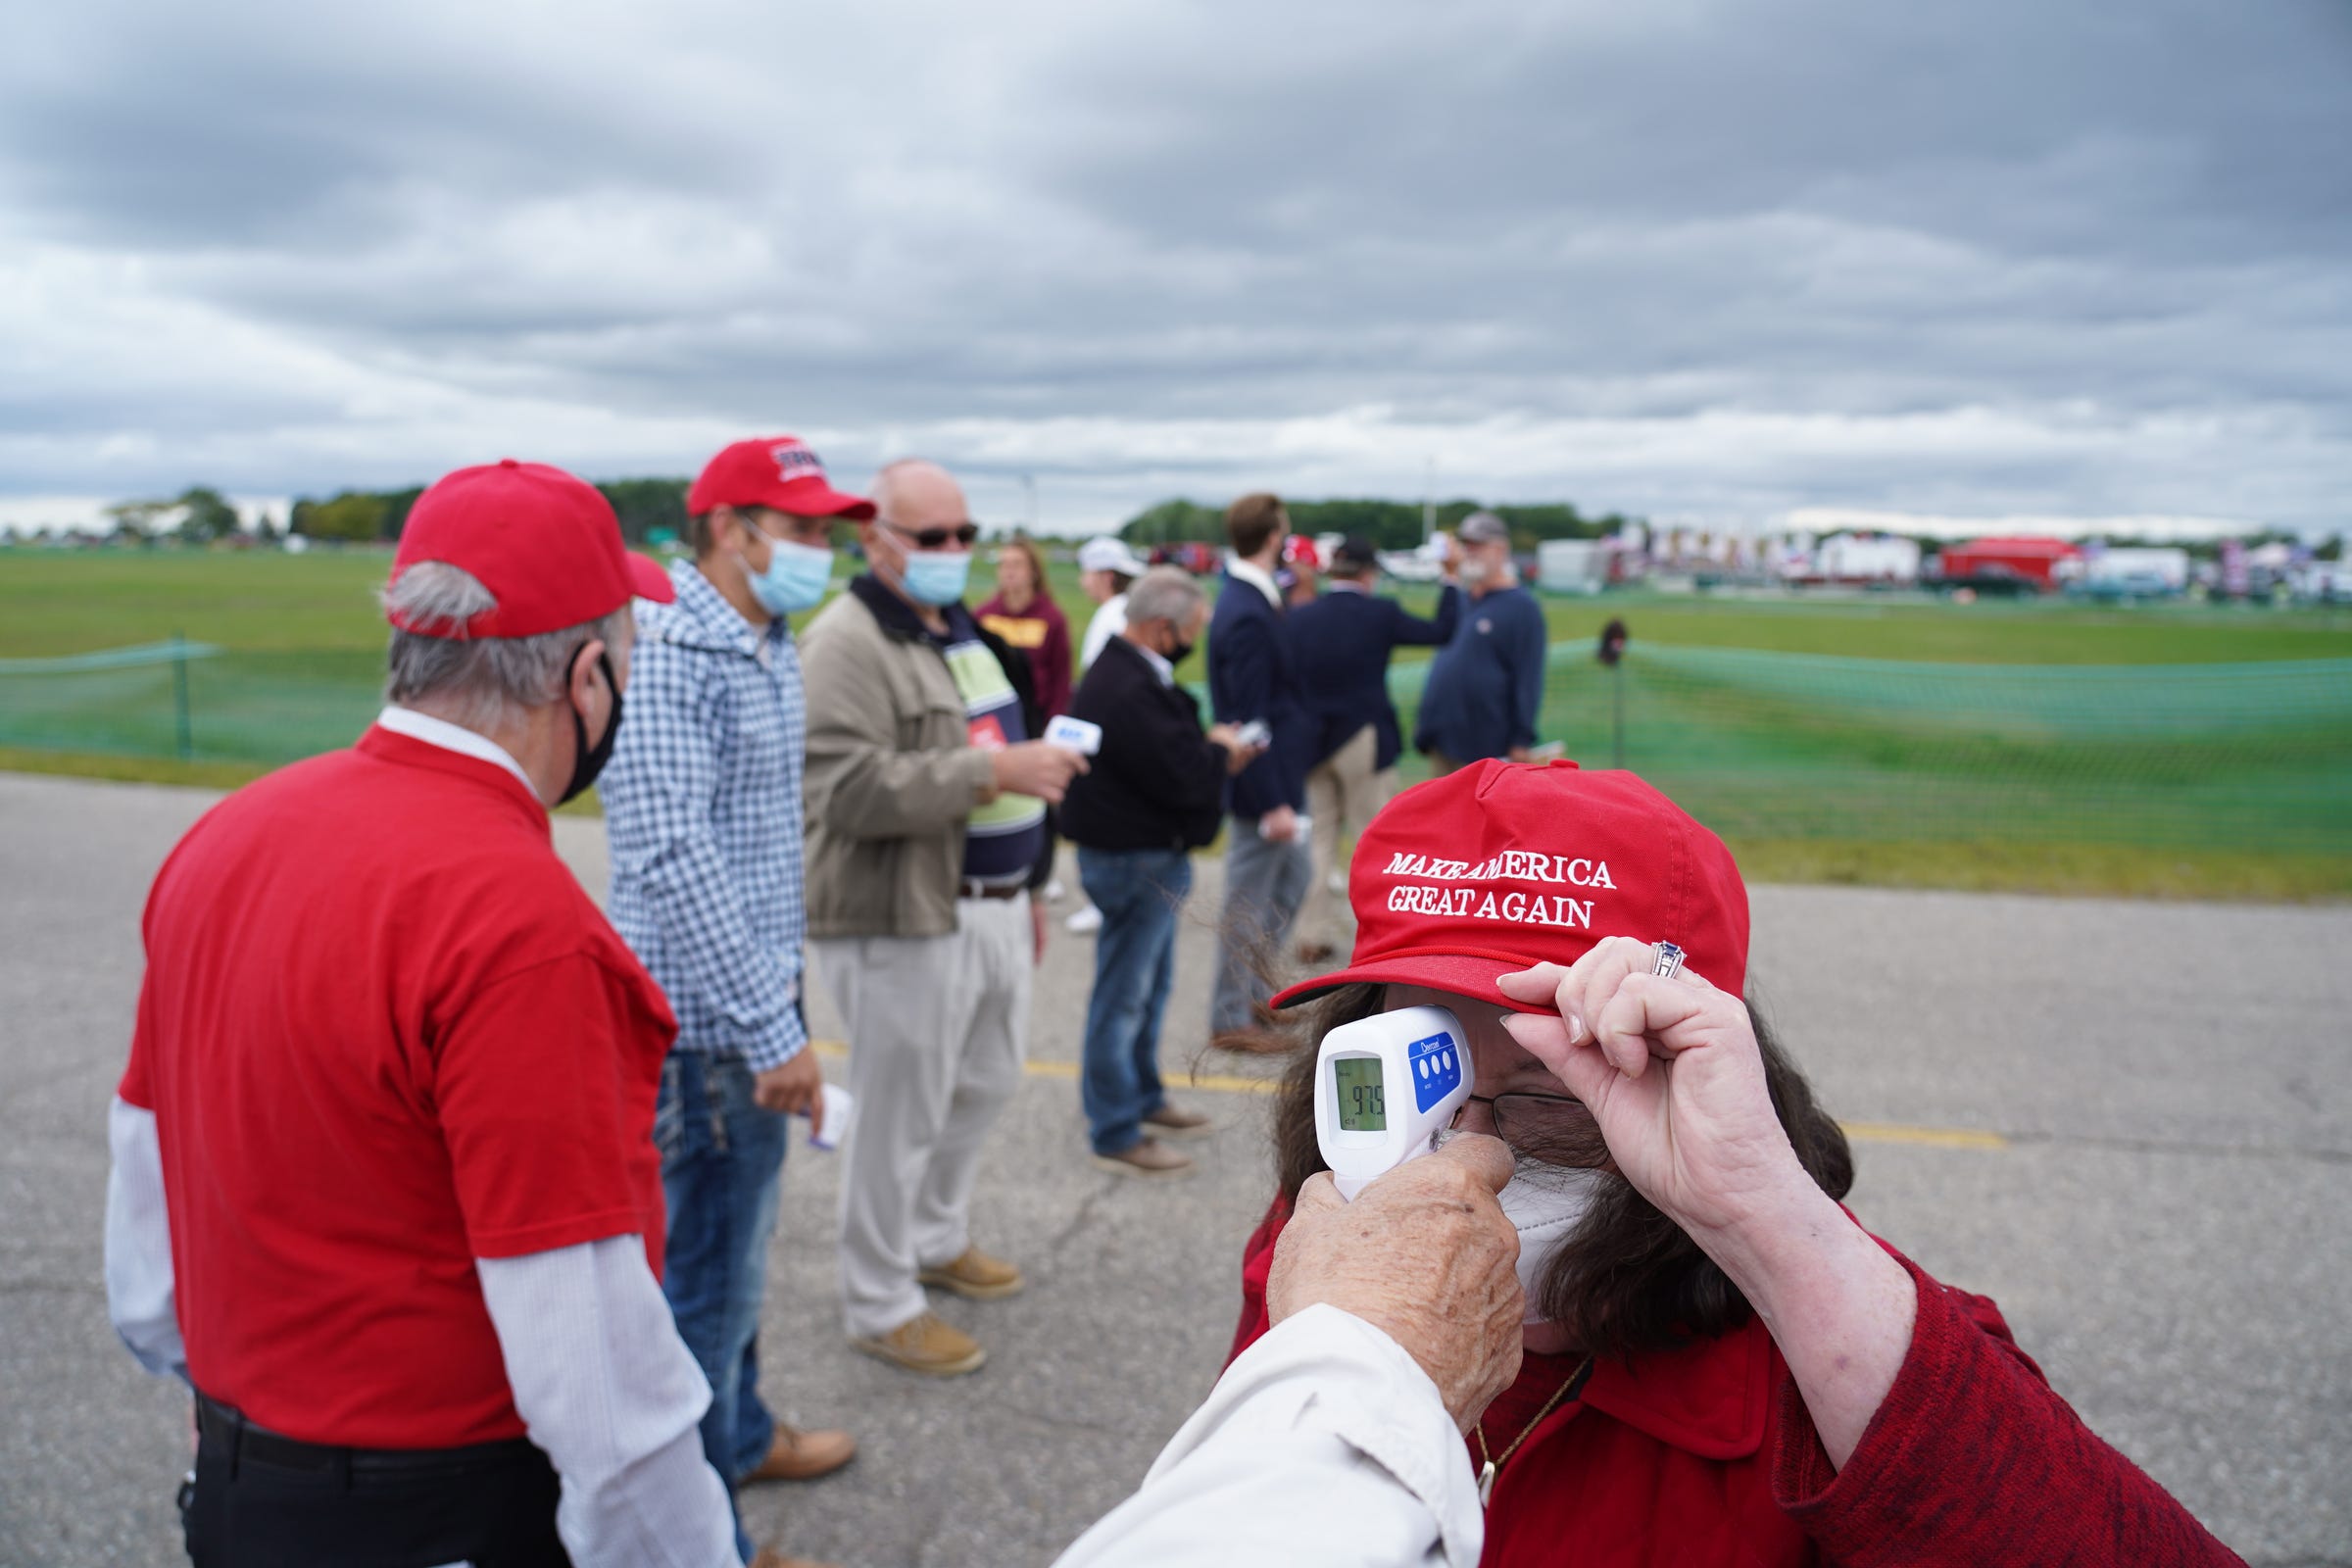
x=1385, y=1087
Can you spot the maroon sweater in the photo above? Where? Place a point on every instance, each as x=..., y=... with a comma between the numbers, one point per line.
x=1706, y=1454
x=1974, y=1460
x=1042, y=636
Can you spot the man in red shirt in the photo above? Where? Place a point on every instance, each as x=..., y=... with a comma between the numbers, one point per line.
x=384, y=1189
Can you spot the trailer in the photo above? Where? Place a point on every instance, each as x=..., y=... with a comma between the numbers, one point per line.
x=1572, y=566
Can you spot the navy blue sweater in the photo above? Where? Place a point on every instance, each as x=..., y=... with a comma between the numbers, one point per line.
x=1485, y=685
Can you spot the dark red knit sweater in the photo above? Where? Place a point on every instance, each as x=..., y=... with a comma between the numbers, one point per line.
x=1706, y=1454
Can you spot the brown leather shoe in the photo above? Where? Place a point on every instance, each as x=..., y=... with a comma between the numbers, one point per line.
x=1151, y=1159
x=1252, y=1043
x=797, y=1455
x=976, y=1275
x=925, y=1343
x=1170, y=1121
x=770, y=1557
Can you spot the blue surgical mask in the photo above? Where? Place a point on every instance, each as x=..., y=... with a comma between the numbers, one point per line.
x=936, y=577
x=796, y=578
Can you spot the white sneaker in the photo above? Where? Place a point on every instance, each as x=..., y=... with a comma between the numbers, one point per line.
x=1085, y=921
x=1055, y=890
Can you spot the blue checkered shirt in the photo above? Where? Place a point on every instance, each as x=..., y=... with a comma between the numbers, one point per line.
x=703, y=810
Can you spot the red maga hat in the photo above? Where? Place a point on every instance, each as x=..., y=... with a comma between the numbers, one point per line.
x=777, y=472
x=1504, y=865
x=544, y=544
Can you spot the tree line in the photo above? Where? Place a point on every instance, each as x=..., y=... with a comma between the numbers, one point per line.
x=652, y=506
x=1387, y=524
x=645, y=507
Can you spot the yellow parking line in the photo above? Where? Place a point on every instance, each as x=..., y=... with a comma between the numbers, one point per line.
x=1865, y=1132
x=1887, y=1132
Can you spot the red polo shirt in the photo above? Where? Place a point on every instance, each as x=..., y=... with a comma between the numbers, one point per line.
x=384, y=1033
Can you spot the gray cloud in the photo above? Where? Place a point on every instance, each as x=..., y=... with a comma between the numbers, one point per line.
x=1688, y=258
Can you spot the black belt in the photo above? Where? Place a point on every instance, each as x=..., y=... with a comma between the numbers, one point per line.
x=248, y=1443
x=986, y=889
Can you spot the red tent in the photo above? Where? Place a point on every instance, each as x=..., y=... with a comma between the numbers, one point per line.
x=2036, y=559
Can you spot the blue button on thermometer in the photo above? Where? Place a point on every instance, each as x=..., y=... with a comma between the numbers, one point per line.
x=1385, y=1087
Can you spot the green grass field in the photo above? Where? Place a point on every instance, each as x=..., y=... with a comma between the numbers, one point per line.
x=1938, y=769
x=59, y=602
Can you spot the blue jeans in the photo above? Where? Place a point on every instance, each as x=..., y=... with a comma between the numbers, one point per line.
x=1138, y=892
x=722, y=1165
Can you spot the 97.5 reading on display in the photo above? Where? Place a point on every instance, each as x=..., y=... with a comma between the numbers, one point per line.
x=1362, y=1106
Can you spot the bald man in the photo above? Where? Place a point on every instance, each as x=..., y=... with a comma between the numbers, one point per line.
x=926, y=832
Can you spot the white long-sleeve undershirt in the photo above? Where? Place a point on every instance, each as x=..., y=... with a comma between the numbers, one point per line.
x=604, y=1384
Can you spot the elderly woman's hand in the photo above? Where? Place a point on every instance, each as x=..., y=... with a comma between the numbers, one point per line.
x=1670, y=1069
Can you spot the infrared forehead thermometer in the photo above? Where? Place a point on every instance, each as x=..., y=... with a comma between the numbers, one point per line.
x=1385, y=1087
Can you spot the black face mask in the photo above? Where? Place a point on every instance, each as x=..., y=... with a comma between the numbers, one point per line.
x=589, y=761
x=1178, y=653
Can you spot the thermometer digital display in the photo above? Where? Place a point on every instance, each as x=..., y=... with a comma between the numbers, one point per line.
x=1385, y=1087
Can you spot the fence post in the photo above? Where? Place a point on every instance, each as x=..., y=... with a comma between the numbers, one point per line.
x=179, y=695
x=1617, y=725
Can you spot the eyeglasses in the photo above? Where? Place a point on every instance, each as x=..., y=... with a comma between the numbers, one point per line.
x=1534, y=1120
x=962, y=533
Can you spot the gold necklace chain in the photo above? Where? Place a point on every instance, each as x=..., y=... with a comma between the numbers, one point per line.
x=1493, y=1463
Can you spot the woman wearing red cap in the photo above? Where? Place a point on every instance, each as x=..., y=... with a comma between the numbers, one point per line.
x=1720, y=1365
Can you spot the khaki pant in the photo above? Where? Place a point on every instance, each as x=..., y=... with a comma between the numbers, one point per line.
x=938, y=1029
x=1343, y=793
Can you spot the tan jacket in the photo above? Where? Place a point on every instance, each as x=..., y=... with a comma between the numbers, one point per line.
x=891, y=774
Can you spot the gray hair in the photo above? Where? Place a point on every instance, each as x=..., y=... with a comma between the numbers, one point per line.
x=480, y=682
x=1164, y=593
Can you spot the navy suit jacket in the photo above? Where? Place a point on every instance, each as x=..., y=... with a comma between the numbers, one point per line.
x=1339, y=645
x=1250, y=676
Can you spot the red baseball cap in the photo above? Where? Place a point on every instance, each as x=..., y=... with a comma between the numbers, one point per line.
x=777, y=472
x=544, y=543
x=1502, y=865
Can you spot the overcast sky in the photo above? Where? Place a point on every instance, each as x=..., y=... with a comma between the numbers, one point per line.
x=1694, y=260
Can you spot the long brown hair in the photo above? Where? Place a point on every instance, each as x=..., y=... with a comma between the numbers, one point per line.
x=1020, y=544
x=1628, y=1279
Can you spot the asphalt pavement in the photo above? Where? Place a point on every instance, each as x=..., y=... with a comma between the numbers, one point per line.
x=2128, y=1123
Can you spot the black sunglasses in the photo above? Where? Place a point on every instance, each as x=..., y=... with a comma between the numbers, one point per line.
x=964, y=533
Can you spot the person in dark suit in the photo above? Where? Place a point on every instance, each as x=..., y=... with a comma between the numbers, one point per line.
x=1157, y=792
x=1339, y=645
x=1267, y=860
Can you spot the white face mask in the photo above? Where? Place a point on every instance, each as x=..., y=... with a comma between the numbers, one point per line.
x=1545, y=1204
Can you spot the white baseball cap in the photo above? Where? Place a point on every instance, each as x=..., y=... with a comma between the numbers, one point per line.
x=1107, y=554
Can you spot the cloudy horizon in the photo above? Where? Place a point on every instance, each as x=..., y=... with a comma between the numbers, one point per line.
x=1690, y=260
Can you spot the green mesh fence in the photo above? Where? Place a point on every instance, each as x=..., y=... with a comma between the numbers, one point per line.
x=190, y=701
x=2245, y=756
x=1757, y=745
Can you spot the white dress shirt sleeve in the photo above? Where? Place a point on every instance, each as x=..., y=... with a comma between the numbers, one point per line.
x=1324, y=1442
x=139, y=1284
x=611, y=1393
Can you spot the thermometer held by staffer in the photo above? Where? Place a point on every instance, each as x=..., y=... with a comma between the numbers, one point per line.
x=1385, y=1087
